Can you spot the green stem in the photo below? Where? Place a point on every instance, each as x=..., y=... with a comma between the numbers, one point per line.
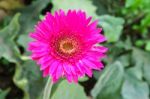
x=47, y=90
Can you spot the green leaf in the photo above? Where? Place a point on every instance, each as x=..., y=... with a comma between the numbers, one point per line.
x=133, y=87
x=139, y=43
x=41, y=17
x=109, y=83
x=97, y=74
x=85, y=5
x=29, y=18
x=69, y=91
x=146, y=70
x=101, y=6
x=125, y=60
x=138, y=5
x=3, y=93
x=107, y=6
x=147, y=47
x=146, y=21
x=132, y=3
x=112, y=27
x=135, y=90
x=35, y=80
x=29, y=79
x=21, y=81
x=142, y=58
x=24, y=40
x=128, y=43
x=144, y=25
x=8, y=48
x=114, y=51
x=135, y=72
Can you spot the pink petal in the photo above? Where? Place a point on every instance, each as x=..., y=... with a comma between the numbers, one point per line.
x=53, y=66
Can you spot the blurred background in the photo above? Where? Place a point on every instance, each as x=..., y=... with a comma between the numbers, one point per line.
x=125, y=23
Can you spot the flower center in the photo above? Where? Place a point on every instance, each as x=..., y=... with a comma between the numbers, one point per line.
x=67, y=46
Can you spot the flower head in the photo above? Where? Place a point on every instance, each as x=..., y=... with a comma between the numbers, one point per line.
x=65, y=45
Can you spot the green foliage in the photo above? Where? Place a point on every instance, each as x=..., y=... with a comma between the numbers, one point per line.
x=134, y=89
x=133, y=86
x=8, y=48
x=143, y=60
x=21, y=82
x=3, y=93
x=112, y=27
x=34, y=78
x=126, y=25
x=28, y=20
x=69, y=91
x=106, y=86
x=147, y=47
x=139, y=13
x=75, y=4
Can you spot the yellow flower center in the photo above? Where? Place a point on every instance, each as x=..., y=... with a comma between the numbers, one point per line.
x=67, y=46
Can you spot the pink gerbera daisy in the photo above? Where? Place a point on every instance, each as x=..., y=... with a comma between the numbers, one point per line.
x=65, y=45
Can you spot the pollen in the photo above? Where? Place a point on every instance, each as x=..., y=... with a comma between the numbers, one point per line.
x=67, y=46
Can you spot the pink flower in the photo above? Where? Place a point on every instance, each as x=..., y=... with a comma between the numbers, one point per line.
x=65, y=45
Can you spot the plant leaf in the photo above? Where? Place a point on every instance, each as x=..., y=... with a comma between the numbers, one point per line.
x=28, y=19
x=147, y=47
x=29, y=79
x=106, y=87
x=85, y=5
x=112, y=27
x=20, y=81
x=134, y=87
x=35, y=80
x=141, y=57
x=8, y=48
x=69, y=91
x=3, y=93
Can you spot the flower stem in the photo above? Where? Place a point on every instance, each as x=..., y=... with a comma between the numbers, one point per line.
x=47, y=90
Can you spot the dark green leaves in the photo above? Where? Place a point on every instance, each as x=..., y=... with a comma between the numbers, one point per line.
x=8, y=48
